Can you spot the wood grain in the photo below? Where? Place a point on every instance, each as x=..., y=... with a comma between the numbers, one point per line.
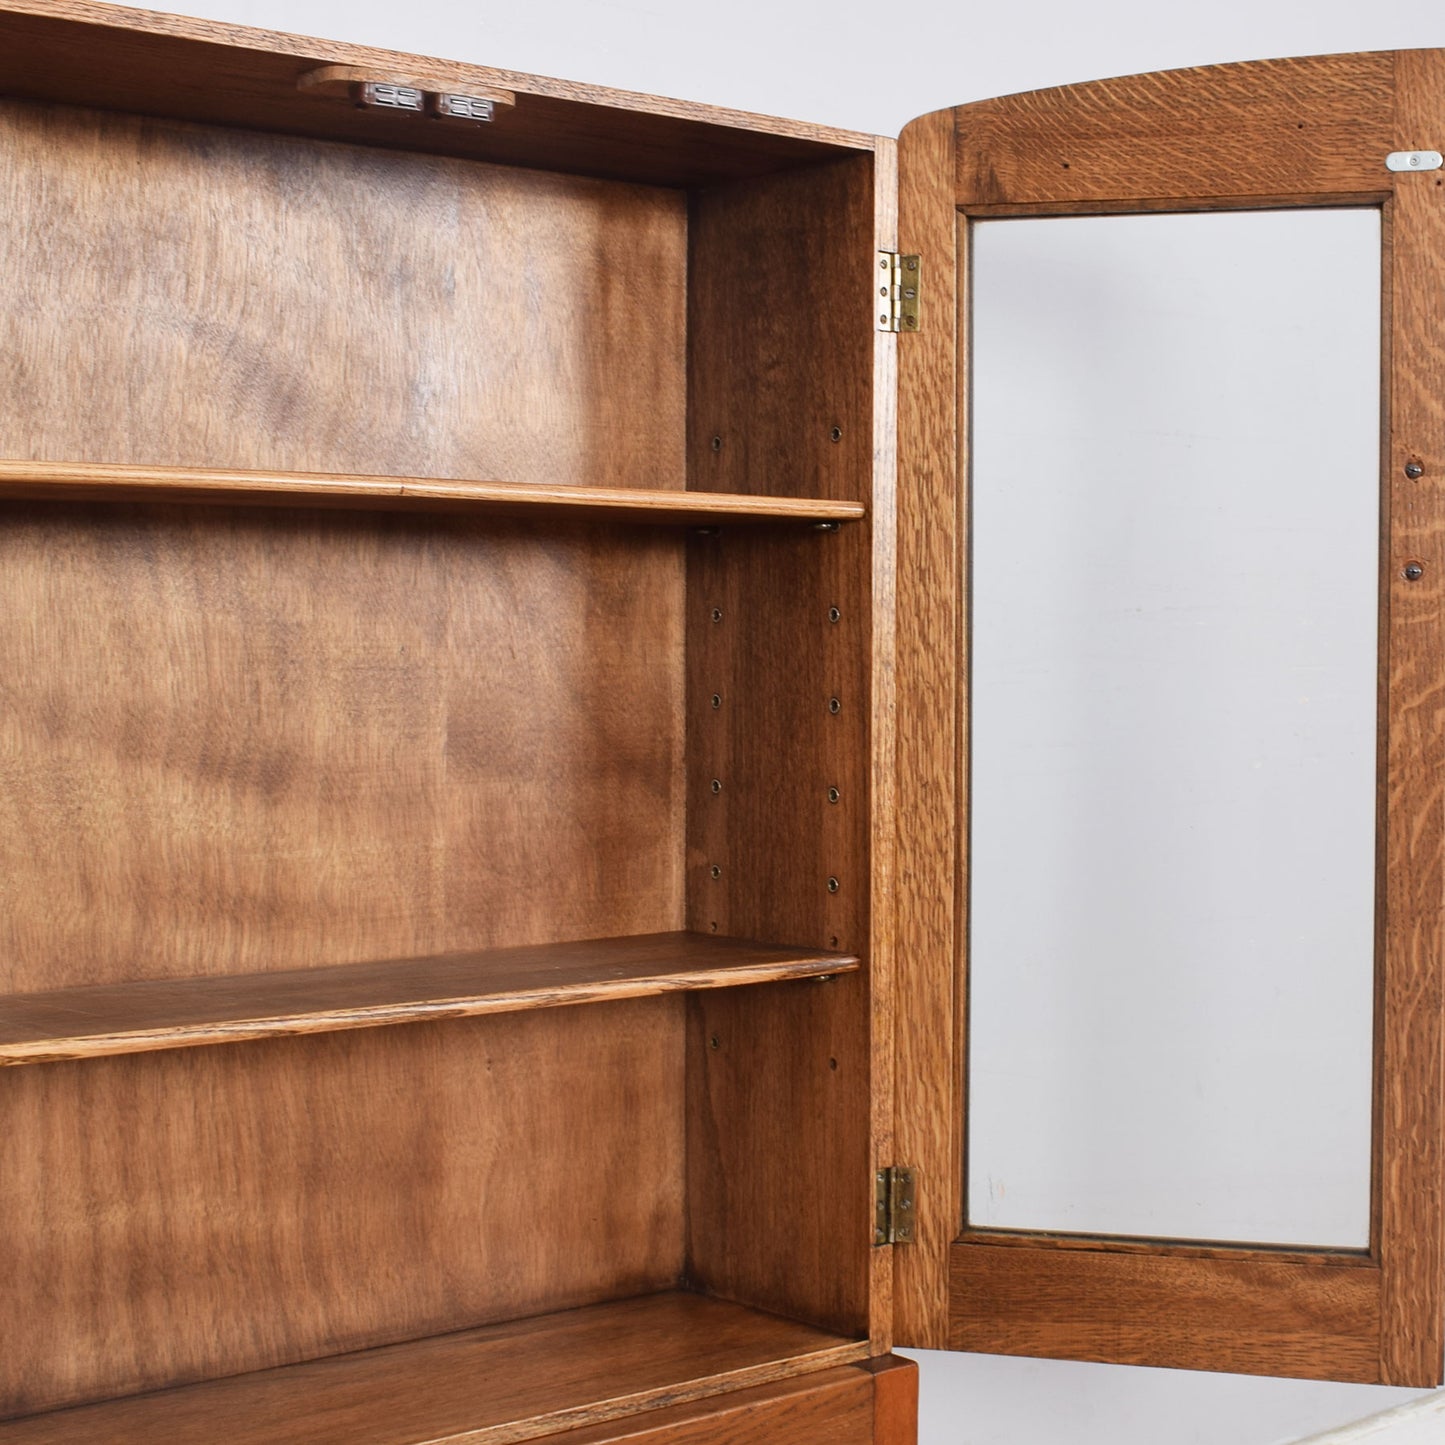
x=1272, y=133
x=171, y=1217
x=1411, y=1088
x=1316, y=126
x=185, y=296
x=136, y=60
x=833, y=1406
x=780, y=334
x=895, y=1400
x=491, y=1386
x=138, y=1017
x=1248, y=1315
x=927, y=1114
x=779, y=1111
x=235, y=741
x=338, y=80
x=883, y=925
x=81, y=481
x=782, y=632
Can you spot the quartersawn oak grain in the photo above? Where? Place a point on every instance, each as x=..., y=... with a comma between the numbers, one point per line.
x=182, y=1013
x=237, y=740
x=85, y=481
x=1299, y=132
x=489, y=1386
x=783, y=630
x=1247, y=1314
x=928, y=699
x=1313, y=126
x=178, y=1216
x=1410, y=1121
x=313, y=308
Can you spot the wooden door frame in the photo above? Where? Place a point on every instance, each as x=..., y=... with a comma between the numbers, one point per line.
x=1254, y=136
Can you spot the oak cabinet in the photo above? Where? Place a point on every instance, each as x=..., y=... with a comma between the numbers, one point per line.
x=484, y=759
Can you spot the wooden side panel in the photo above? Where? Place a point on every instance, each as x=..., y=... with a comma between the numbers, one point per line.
x=239, y=741
x=1317, y=126
x=781, y=635
x=1247, y=1315
x=778, y=1126
x=418, y=315
x=1411, y=1113
x=306, y=1197
x=780, y=352
x=927, y=1122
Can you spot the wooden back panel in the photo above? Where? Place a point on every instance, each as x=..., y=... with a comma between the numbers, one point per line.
x=240, y=740
x=188, y=295
x=177, y=1216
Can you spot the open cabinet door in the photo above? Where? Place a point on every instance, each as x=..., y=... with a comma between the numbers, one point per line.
x=1341, y=135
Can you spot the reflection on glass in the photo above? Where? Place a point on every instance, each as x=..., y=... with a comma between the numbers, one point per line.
x=1175, y=474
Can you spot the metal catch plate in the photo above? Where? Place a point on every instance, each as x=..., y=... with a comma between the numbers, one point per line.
x=461, y=107
x=388, y=96
x=899, y=305
x=893, y=1205
x=1414, y=161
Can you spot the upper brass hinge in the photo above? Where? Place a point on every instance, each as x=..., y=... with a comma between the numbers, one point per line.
x=897, y=292
x=893, y=1204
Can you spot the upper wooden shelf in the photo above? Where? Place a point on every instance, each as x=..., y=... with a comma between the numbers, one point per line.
x=85, y=481
x=131, y=1018
x=498, y=1384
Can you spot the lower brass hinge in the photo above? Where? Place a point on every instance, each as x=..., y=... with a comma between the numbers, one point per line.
x=897, y=292
x=893, y=1205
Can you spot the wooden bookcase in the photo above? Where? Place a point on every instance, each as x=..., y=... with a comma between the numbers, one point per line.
x=480, y=764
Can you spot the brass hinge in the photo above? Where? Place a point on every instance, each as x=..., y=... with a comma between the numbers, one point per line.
x=893, y=1205
x=897, y=292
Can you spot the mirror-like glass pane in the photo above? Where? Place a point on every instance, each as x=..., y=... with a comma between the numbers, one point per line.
x=1173, y=694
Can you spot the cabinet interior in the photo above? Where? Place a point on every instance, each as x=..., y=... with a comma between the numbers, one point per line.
x=307, y=781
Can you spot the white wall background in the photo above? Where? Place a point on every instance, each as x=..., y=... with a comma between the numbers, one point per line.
x=844, y=63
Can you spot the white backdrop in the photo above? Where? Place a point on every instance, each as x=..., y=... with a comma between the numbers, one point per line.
x=873, y=67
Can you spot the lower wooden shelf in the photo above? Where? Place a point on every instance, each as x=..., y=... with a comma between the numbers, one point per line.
x=493, y=1385
x=129, y=1018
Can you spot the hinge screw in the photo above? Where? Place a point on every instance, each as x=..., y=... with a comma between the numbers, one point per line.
x=1413, y=571
x=833, y=795
x=1414, y=470
x=716, y=701
x=717, y=614
x=836, y=435
x=832, y=885
x=834, y=706
x=715, y=871
x=717, y=785
x=834, y=615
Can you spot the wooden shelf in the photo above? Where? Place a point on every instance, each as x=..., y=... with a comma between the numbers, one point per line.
x=88, y=482
x=493, y=1385
x=131, y=1018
